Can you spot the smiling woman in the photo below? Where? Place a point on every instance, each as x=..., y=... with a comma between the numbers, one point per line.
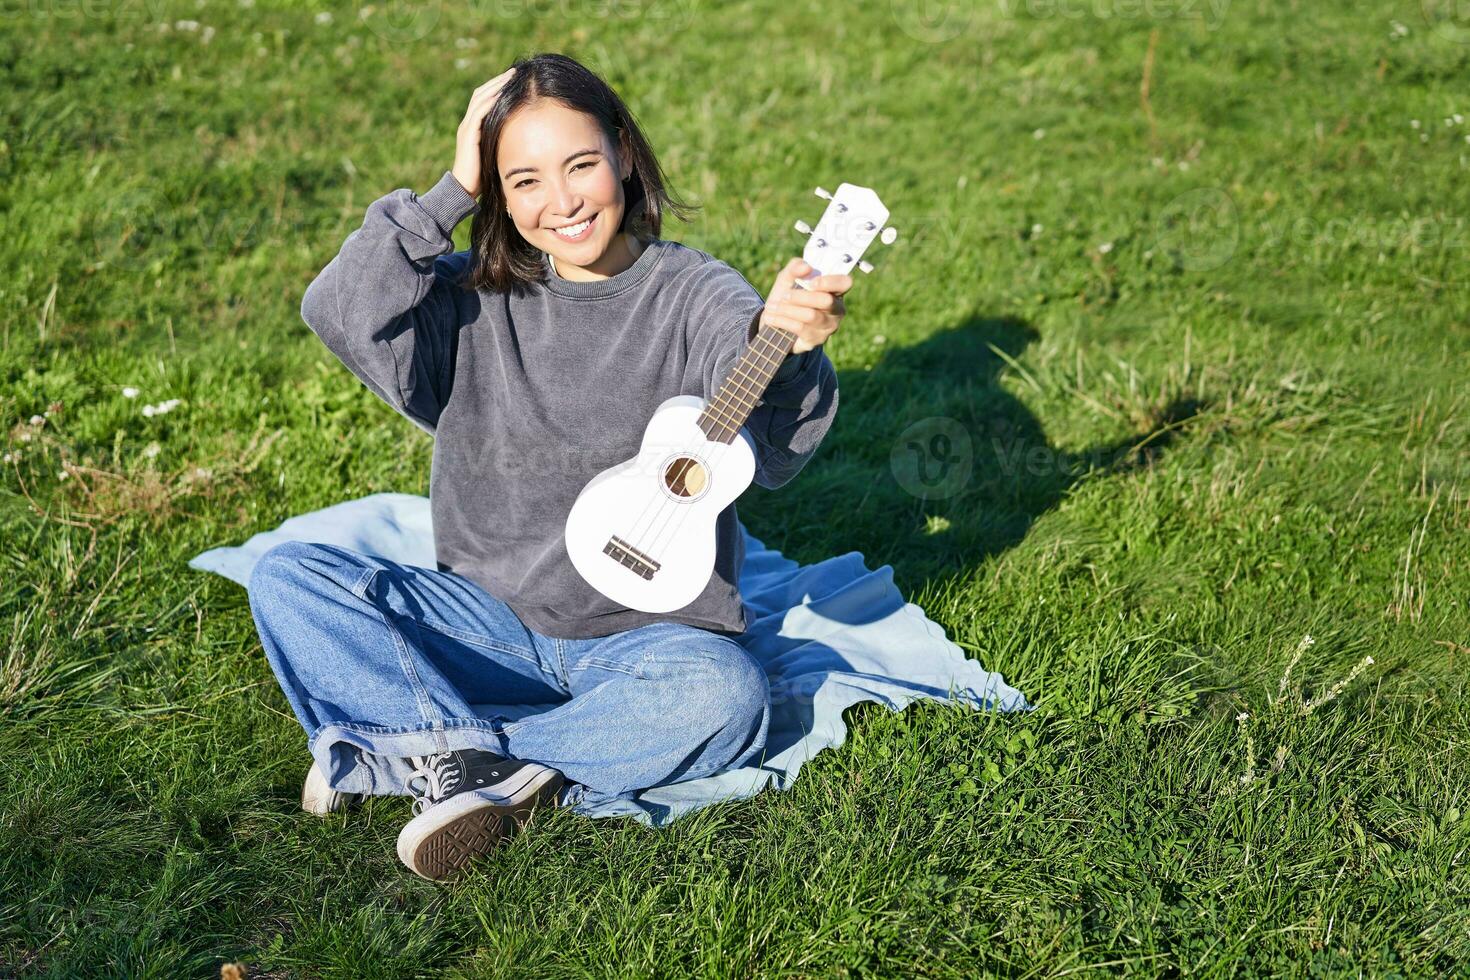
x=565, y=171
x=569, y=207
x=535, y=359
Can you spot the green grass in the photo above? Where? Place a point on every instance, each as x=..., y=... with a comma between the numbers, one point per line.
x=1212, y=374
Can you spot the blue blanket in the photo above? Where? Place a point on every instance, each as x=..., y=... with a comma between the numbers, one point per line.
x=829, y=635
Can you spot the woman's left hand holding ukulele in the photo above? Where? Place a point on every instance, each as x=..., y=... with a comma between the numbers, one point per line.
x=812, y=314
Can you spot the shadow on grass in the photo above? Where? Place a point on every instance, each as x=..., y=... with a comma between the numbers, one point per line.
x=959, y=468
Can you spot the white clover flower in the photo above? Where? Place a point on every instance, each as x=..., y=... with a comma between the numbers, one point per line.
x=7, y=458
x=186, y=25
x=25, y=437
x=246, y=4
x=461, y=63
x=325, y=17
x=1413, y=124
x=878, y=338
x=1035, y=230
x=1105, y=248
x=151, y=450
x=161, y=407
x=1242, y=716
x=38, y=420
x=1458, y=118
x=62, y=475
x=130, y=392
x=207, y=36
x=1038, y=134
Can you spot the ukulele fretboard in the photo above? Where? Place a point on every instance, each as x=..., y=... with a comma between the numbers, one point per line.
x=746, y=382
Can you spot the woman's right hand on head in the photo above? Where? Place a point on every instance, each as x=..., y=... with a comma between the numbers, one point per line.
x=466, y=168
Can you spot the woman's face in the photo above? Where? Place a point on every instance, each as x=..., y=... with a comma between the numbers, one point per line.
x=558, y=171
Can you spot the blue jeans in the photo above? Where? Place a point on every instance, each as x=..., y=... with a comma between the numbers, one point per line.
x=381, y=661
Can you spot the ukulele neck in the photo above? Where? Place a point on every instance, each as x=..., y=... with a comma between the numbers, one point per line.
x=746, y=382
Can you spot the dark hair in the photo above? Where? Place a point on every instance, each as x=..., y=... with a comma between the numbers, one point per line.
x=501, y=259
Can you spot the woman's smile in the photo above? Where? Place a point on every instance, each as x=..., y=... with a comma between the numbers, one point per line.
x=578, y=232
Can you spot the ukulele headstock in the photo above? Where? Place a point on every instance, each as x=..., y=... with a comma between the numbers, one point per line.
x=854, y=217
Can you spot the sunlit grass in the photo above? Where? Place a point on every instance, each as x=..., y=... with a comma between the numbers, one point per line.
x=1202, y=351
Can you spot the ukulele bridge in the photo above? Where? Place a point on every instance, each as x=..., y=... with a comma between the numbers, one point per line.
x=630, y=557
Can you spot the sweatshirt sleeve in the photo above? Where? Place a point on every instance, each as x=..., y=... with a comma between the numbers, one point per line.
x=799, y=404
x=385, y=305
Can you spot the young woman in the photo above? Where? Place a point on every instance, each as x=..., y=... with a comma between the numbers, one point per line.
x=535, y=359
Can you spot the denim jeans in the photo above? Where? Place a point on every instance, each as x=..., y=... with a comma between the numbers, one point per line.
x=381, y=661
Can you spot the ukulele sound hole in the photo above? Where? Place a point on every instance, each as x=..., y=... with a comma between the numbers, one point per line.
x=686, y=477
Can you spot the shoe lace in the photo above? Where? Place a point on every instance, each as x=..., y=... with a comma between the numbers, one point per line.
x=433, y=778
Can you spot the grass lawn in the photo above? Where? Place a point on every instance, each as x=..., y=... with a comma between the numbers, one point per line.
x=1184, y=285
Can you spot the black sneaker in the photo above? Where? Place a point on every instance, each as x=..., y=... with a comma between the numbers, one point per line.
x=465, y=803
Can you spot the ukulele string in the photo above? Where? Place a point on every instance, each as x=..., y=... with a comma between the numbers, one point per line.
x=681, y=511
x=669, y=510
x=675, y=513
x=675, y=522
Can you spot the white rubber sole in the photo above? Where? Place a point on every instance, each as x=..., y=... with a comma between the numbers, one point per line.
x=443, y=839
x=317, y=795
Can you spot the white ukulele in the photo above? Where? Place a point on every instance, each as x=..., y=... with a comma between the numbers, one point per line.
x=642, y=532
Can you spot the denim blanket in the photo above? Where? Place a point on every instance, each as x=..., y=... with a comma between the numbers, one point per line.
x=829, y=635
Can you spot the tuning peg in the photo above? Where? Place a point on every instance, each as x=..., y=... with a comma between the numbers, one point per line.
x=803, y=227
x=889, y=235
x=865, y=265
x=824, y=195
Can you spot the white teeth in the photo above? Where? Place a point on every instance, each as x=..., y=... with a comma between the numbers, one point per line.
x=574, y=230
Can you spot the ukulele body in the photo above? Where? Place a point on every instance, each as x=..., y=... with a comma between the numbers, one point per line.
x=642, y=532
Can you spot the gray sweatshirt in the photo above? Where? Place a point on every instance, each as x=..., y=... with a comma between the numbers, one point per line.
x=528, y=397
